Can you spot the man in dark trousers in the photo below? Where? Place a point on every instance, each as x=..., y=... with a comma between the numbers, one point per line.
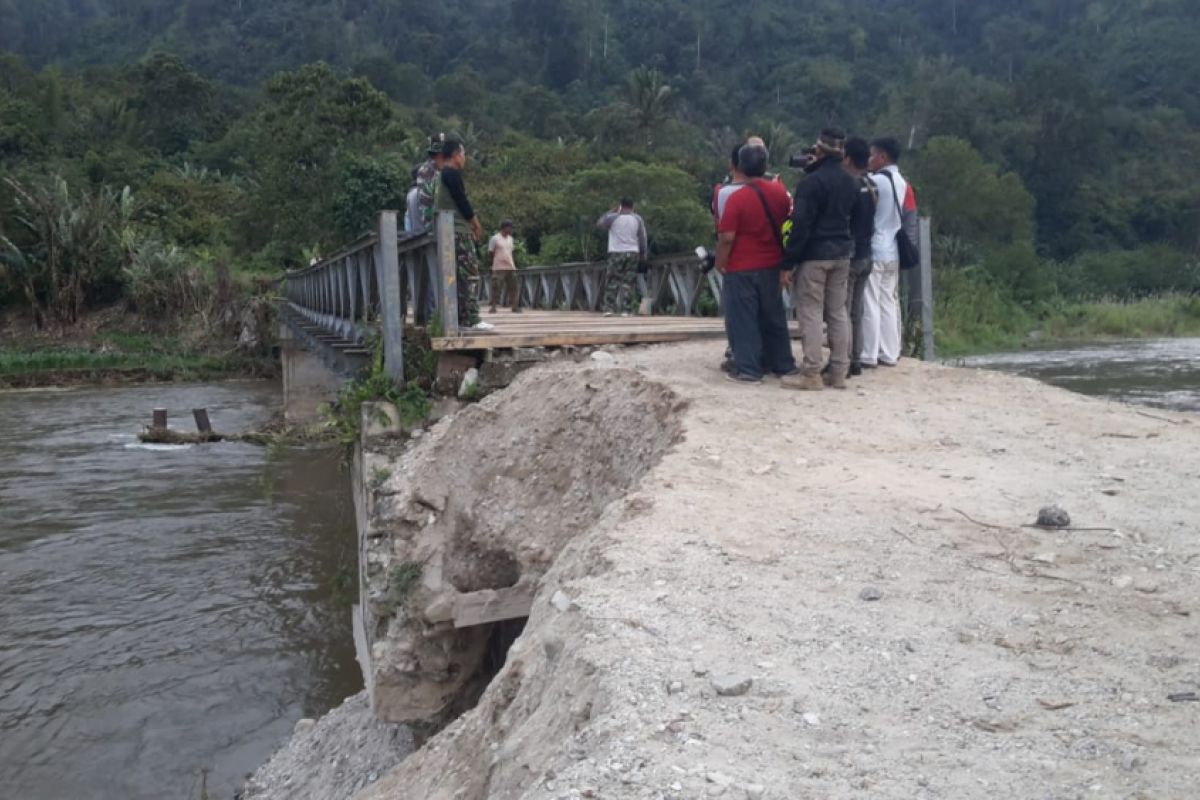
x=749, y=256
x=821, y=244
x=858, y=154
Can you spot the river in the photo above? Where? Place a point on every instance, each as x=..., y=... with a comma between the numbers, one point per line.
x=1162, y=373
x=162, y=610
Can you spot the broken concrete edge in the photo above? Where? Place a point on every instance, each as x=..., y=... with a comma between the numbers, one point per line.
x=494, y=369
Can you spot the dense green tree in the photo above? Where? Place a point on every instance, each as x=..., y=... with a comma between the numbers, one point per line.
x=1037, y=131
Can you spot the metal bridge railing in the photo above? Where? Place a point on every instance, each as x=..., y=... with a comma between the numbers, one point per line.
x=675, y=285
x=386, y=278
x=371, y=285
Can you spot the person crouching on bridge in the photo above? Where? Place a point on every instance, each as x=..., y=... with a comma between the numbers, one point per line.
x=452, y=196
x=504, y=268
x=749, y=256
x=628, y=245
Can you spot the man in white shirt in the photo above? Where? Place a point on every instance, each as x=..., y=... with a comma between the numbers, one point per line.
x=627, y=247
x=881, y=301
x=504, y=268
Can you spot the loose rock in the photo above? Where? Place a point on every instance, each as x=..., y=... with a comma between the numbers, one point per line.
x=1053, y=517
x=732, y=685
x=469, y=382
x=870, y=594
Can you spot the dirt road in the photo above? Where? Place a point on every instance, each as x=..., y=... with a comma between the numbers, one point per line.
x=715, y=634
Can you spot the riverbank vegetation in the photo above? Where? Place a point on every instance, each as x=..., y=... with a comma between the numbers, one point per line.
x=164, y=161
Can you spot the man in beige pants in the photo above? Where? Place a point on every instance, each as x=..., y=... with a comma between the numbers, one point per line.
x=820, y=242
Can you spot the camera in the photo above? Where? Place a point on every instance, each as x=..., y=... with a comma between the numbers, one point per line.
x=707, y=260
x=803, y=160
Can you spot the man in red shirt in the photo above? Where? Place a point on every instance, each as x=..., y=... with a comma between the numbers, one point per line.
x=750, y=257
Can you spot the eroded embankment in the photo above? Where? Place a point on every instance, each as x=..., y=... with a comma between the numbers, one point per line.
x=465, y=522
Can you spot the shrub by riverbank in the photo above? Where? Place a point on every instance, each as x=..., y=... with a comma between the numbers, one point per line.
x=113, y=347
x=984, y=320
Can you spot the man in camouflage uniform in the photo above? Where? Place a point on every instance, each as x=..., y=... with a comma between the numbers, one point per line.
x=420, y=201
x=451, y=195
x=627, y=247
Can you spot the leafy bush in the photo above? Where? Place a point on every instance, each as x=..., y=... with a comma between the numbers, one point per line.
x=1141, y=272
x=65, y=246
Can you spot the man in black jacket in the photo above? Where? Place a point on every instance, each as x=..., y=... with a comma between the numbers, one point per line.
x=820, y=242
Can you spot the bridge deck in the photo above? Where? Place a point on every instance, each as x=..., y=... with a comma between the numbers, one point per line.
x=533, y=328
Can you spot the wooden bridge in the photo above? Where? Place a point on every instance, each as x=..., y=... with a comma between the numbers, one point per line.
x=377, y=285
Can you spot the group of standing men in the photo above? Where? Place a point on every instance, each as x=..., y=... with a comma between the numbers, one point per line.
x=837, y=252
x=833, y=243
x=438, y=186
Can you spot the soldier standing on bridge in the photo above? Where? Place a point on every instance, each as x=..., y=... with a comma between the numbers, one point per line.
x=419, y=201
x=627, y=248
x=452, y=197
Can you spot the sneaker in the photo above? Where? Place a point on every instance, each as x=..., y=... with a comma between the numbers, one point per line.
x=789, y=373
x=728, y=366
x=855, y=370
x=804, y=383
x=738, y=377
x=883, y=363
x=483, y=326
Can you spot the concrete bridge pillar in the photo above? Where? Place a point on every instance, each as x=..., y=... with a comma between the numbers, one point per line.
x=307, y=380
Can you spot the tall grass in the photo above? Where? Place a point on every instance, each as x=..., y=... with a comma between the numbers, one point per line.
x=86, y=363
x=1167, y=315
x=974, y=315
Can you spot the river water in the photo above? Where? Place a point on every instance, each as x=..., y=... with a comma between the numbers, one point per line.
x=162, y=610
x=1163, y=373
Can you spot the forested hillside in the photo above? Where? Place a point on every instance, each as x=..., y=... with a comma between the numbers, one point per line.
x=1053, y=141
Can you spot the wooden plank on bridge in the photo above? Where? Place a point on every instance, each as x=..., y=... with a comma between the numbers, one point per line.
x=581, y=328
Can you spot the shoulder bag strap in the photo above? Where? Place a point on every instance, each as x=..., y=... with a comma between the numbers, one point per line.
x=895, y=197
x=762, y=198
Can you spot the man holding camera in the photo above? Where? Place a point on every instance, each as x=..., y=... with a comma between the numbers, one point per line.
x=820, y=242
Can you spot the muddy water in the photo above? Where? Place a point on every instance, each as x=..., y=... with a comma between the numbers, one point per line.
x=1163, y=373
x=162, y=610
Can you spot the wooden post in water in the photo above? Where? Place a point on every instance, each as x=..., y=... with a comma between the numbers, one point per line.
x=926, y=247
x=160, y=418
x=391, y=298
x=201, y=417
x=448, y=290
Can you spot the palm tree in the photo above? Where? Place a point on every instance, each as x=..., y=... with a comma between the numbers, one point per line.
x=780, y=140
x=650, y=100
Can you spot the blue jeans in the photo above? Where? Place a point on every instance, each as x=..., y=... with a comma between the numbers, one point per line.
x=756, y=323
